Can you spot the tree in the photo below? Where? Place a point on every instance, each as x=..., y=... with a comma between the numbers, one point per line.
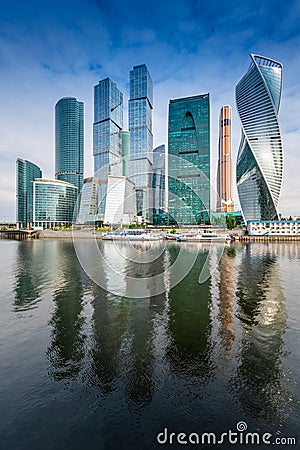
x=230, y=222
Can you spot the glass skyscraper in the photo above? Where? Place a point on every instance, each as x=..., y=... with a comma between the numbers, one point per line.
x=260, y=160
x=159, y=179
x=189, y=159
x=69, y=141
x=53, y=202
x=125, y=152
x=26, y=173
x=108, y=123
x=140, y=107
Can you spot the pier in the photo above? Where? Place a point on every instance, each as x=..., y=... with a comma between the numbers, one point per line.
x=19, y=235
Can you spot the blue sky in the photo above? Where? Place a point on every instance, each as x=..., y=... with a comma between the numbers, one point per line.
x=49, y=50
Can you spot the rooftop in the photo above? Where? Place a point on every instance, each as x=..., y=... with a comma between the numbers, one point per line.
x=50, y=181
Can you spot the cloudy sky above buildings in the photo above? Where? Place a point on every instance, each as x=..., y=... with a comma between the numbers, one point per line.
x=63, y=48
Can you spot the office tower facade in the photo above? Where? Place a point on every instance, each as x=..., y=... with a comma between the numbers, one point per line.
x=109, y=201
x=69, y=141
x=93, y=200
x=125, y=152
x=225, y=201
x=159, y=180
x=89, y=201
x=26, y=173
x=140, y=107
x=106, y=195
x=108, y=123
x=53, y=202
x=189, y=159
x=260, y=157
x=121, y=202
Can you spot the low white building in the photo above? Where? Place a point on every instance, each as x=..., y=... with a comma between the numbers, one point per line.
x=273, y=227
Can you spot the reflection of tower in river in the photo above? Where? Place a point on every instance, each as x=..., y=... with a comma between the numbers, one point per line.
x=189, y=327
x=226, y=298
x=110, y=324
x=123, y=329
x=262, y=311
x=128, y=269
x=30, y=273
x=110, y=320
x=67, y=339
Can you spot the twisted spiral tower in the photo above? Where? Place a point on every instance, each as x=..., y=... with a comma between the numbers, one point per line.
x=260, y=159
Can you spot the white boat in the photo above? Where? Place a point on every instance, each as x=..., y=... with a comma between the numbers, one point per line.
x=172, y=237
x=205, y=236
x=132, y=235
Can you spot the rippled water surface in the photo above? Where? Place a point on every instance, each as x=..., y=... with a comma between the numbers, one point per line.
x=82, y=368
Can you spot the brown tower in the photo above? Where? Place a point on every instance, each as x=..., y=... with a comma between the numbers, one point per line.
x=224, y=179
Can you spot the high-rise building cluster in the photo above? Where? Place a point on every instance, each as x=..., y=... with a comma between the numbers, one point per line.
x=133, y=182
x=49, y=202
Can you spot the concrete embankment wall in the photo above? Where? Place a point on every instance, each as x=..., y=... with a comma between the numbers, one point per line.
x=267, y=238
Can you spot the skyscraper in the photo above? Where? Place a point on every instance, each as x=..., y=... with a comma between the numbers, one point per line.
x=112, y=189
x=108, y=123
x=69, y=141
x=224, y=177
x=140, y=107
x=27, y=172
x=125, y=152
x=189, y=176
x=159, y=179
x=260, y=161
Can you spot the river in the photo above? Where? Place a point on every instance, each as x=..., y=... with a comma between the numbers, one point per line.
x=85, y=368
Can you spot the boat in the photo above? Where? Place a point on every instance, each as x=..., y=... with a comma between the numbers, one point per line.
x=132, y=235
x=205, y=236
x=172, y=237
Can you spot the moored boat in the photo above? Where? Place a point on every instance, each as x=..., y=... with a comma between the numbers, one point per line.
x=132, y=235
x=203, y=237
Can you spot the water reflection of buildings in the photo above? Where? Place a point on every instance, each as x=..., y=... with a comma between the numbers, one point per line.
x=66, y=349
x=157, y=358
x=36, y=262
x=110, y=323
x=258, y=382
x=37, y=271
x=226, y=298
x=30, y=274
x=141, y=379
x=189, y=325
x=123, y=328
